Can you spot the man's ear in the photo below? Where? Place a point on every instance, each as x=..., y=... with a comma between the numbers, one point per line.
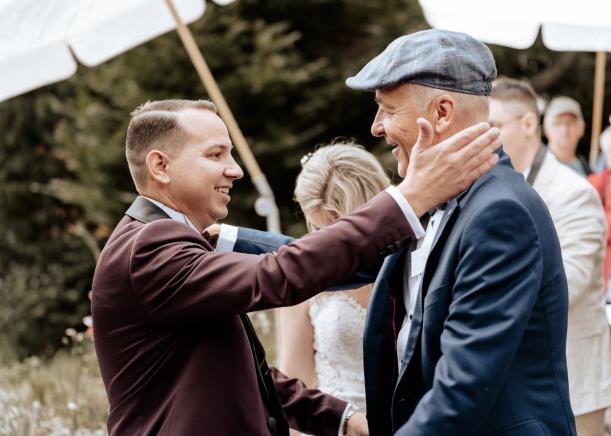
x=444, y=112
x=530, y=124
x=156, y=166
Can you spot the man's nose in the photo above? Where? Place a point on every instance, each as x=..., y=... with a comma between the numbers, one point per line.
x=377, y=127
x=234, y=171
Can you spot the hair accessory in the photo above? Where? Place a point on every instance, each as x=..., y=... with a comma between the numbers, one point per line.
x=306, y=158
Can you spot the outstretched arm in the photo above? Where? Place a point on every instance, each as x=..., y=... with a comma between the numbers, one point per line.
x=202, y=283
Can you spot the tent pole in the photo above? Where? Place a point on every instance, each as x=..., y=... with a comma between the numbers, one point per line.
x=265, y=204
x=597, y=110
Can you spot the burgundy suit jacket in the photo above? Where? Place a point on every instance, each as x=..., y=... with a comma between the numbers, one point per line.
x=174, y=355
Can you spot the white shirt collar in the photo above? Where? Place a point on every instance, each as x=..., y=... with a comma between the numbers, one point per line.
x=172, y=213
x=526, y=172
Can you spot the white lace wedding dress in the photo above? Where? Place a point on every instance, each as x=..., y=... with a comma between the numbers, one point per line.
x=337, y=322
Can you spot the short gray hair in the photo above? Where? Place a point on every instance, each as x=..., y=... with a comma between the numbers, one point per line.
x=472, y=107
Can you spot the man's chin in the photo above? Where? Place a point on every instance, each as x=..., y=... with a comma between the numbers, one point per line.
x=221, y=214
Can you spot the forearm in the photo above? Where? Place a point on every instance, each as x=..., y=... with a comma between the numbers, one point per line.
x=308, y=410
x=201, y=283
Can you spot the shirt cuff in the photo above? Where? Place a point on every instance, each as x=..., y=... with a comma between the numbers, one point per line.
x=340, y=432
x=409, y=213
x=228, y=235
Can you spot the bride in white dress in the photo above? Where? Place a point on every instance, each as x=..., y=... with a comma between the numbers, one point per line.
x=321, y=340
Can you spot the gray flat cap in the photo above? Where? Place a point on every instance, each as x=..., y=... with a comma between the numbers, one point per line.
x=436, y=58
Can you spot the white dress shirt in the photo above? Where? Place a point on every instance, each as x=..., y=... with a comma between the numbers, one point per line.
x=415, y=263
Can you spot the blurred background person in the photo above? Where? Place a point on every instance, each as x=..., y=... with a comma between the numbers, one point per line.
x=564, y=126
x=322, y=339
x=601, y=182
x=579, y=220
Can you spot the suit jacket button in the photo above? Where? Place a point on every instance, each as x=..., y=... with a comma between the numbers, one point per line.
x=271, y=424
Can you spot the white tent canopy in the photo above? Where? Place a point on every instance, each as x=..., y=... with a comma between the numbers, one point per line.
x=566, y=25
x=40, y=50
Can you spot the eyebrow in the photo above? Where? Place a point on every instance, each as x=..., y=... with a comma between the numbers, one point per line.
x=223, y=146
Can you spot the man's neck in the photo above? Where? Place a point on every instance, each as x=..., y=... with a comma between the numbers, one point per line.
x=524, y=159
x=168, y=203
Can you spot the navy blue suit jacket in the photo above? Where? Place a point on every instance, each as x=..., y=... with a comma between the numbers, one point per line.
x=486, y=350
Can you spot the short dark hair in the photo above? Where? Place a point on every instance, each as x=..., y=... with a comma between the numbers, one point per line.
x=156, y=122
x=507, y=89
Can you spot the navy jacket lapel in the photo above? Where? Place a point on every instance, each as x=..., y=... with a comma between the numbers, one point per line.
x=451, y=209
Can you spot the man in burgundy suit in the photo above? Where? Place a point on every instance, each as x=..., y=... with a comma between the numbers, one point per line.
x=177, y=353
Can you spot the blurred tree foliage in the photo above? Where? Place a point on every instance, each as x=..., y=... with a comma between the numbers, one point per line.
x=281, y=64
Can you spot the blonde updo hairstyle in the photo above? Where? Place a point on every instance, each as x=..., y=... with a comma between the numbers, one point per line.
x=338, y=179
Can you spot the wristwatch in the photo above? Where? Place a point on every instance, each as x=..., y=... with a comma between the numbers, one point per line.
x=352, y=409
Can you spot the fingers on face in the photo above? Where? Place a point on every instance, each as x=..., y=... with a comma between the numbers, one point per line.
x=468, y=135
x=482, y=146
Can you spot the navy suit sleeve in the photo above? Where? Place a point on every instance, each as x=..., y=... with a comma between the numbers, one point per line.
x=496, y=286
x=251, y=241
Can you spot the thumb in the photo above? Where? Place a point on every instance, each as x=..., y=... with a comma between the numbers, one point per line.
x=425, y=134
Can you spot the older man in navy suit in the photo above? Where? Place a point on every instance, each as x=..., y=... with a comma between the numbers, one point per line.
x=466, y=329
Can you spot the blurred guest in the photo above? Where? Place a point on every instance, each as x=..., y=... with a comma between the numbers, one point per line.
x=322, y=339
x=579, y=220
x=564, y=127
x=601, y=182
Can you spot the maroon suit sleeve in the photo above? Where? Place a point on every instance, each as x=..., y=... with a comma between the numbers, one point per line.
x=178, y=279
x=308, y=410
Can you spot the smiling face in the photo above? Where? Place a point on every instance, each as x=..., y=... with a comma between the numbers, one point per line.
x=396, y=122
x=564, y=132
x=201, y=173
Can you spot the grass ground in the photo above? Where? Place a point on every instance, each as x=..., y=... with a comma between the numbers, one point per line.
x=65, y=396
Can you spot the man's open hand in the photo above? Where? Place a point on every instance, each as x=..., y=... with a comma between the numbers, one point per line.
x=437, y=173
